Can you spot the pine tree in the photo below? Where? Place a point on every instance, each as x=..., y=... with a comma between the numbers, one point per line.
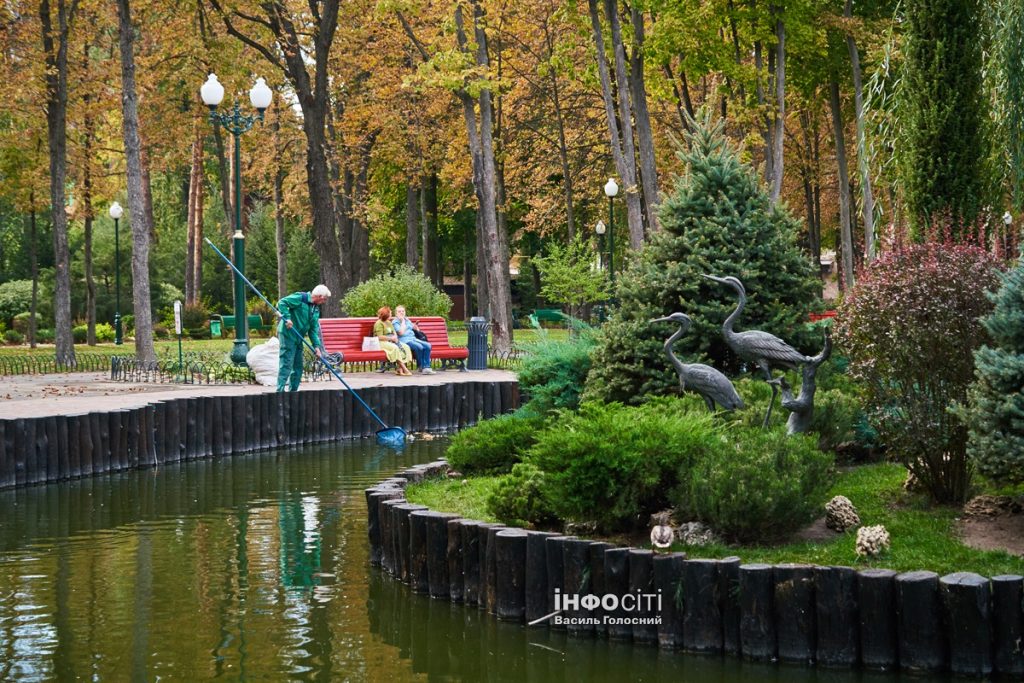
x=718, y=221
x=995, y=414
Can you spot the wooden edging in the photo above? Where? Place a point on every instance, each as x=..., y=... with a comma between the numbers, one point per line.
x=830, y=616
x=55, y=448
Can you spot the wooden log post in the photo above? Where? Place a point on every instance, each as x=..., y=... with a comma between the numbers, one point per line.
x=470, y=561
x=576, y=565
x=836, y=616
x=537, y=600
x=876, y=604
x=729, y=599
x=641, y=584
x=922, y=639
x=757, y=623
x=555, y=557
x=374, y=497
x=702, y=614
x=616, y=579
x=1008, y=624
x=453, y=557
x=437, y=554
x=795, y=612
x=402, y=521
x=668, y=582
x=966, y=599
x=597, y=583
x=419, y=577
x=510, y=550
x=490, y=568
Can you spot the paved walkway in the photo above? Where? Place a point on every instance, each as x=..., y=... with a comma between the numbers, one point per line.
x=83, y=392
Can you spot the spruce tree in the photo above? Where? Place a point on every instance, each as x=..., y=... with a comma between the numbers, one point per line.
x=718, y=221
x=995, y=413
x=943, y=116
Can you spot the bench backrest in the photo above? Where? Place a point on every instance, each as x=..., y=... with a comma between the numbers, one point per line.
x=253, y=319
x=341, y=334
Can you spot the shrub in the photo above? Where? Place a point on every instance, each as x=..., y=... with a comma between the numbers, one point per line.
x=80, y=333
x=614, y=464
x=15, y=298
x=719, y=220
x=402, y=287
x=554, y=372
x=193, y=316
x=996, y=442
x=519, y=498
x=493, y=446
x=757, y=485
x=14, y=337
x=21, y=322
x=910, y=327
x=45, y=336
x=161, y=332
x=836, y=418
x=128, y=324
x=104, y=332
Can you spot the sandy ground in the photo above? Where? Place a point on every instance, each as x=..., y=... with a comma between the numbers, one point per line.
x=83, y=392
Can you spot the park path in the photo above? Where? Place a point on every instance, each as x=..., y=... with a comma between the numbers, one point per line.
x=84, y=392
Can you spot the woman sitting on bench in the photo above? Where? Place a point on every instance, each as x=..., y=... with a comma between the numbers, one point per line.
x=406, y=330
x=389, y=344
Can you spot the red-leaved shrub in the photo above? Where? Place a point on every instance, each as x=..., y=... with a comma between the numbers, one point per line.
x=910, y=326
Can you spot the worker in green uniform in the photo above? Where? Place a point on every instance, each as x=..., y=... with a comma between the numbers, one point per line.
x=299, y=312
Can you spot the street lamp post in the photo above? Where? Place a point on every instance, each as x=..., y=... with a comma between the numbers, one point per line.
x=116, y=212
x=611, y=189
x=237, y=123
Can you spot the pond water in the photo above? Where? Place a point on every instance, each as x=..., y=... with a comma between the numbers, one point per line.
x=255, y=568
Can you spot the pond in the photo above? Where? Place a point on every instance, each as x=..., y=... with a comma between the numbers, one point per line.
x=256, y=568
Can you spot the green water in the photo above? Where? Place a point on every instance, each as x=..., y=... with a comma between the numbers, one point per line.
x=255, y=569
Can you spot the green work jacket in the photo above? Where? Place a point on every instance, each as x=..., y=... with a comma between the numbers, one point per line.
x=305, y=317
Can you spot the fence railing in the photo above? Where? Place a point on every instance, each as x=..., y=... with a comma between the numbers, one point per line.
x=37, y=364
x=188, y=371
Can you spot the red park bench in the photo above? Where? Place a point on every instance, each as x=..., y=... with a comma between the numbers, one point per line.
x=345, y=335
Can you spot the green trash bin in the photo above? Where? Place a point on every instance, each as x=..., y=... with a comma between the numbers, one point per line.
x=215, y=328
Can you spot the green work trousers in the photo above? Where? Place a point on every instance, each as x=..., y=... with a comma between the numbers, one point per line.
x=289, y=364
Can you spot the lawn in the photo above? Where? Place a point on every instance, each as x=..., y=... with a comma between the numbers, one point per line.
x=923, y=535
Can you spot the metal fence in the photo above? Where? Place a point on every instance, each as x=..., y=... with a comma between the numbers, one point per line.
x=41, y=365
x=195, y=370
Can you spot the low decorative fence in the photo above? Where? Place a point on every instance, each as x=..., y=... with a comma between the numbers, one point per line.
x=832, y=616
x=57, y=447
x=38, y=364
x=194, y=368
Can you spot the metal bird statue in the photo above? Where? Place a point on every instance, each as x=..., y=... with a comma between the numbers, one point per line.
x=761, y=348
x=712, y=385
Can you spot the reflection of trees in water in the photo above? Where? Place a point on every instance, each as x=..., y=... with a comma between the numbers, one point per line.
x=225, y=568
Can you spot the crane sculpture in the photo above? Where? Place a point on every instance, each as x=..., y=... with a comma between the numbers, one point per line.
x=761, y=348
x=712, y=385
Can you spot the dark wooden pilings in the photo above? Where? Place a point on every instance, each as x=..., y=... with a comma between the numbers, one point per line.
x=757, y=623
x=54, y=448
x=668, y=583
x=876, y=600
x=437, y=554
x=470, y=561
x=922, y=642
x=795, y=612
x=510, y=551
x=576, y=567
x=616, y=581
x=555, y=559
x=835, y=604
x=966, y=599
x=702, y=615
x=454, y=560
x=1008, y=624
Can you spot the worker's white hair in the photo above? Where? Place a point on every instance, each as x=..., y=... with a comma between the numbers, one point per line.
x=321, y=290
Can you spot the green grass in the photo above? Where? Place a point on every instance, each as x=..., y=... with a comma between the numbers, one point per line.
x=467, y=497
x=923, y=535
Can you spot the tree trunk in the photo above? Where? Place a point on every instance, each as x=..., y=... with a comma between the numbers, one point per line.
x=343, y=211
x=766, y=128
x=33, y=257
x=428, y=221
x=90, y=282
x=225, y=181
x=412, y=251
x=482, y=295
x=811, y=185
x=141, y=227
x=360, y=231
x=279, y=236
x=55, y=47
x=779, y=124
x=845, y=229
x=644, y=134
x=621, y=137
x=563, y=148
x=194, y=246
x=867, y=197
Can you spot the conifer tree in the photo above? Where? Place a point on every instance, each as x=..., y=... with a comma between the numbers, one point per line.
x=718, y=221
x=995, y=413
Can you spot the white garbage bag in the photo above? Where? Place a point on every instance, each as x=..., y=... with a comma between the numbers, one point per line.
x=263, y=361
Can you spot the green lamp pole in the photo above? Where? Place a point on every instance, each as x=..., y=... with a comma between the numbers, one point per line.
x=237, y=123
x=116, y=211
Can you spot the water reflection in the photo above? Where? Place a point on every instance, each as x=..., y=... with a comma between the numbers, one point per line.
x=256, y=568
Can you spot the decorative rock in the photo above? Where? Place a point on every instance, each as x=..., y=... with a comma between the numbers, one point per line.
x=871, y=540
x=695, y=534
x=840, y=514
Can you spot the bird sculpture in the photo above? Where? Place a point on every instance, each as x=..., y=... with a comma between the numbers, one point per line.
x=761, y=348
x=712, y=385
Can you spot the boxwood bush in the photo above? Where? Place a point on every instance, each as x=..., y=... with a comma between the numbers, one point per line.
x=520, y=498
x=403, y=287
x=493, y=446
x=757, y=485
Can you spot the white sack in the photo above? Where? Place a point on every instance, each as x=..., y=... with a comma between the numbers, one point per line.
x=263, y=361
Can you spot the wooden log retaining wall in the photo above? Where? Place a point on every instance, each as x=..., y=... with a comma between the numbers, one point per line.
x=55, y=448
x=832, y=616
